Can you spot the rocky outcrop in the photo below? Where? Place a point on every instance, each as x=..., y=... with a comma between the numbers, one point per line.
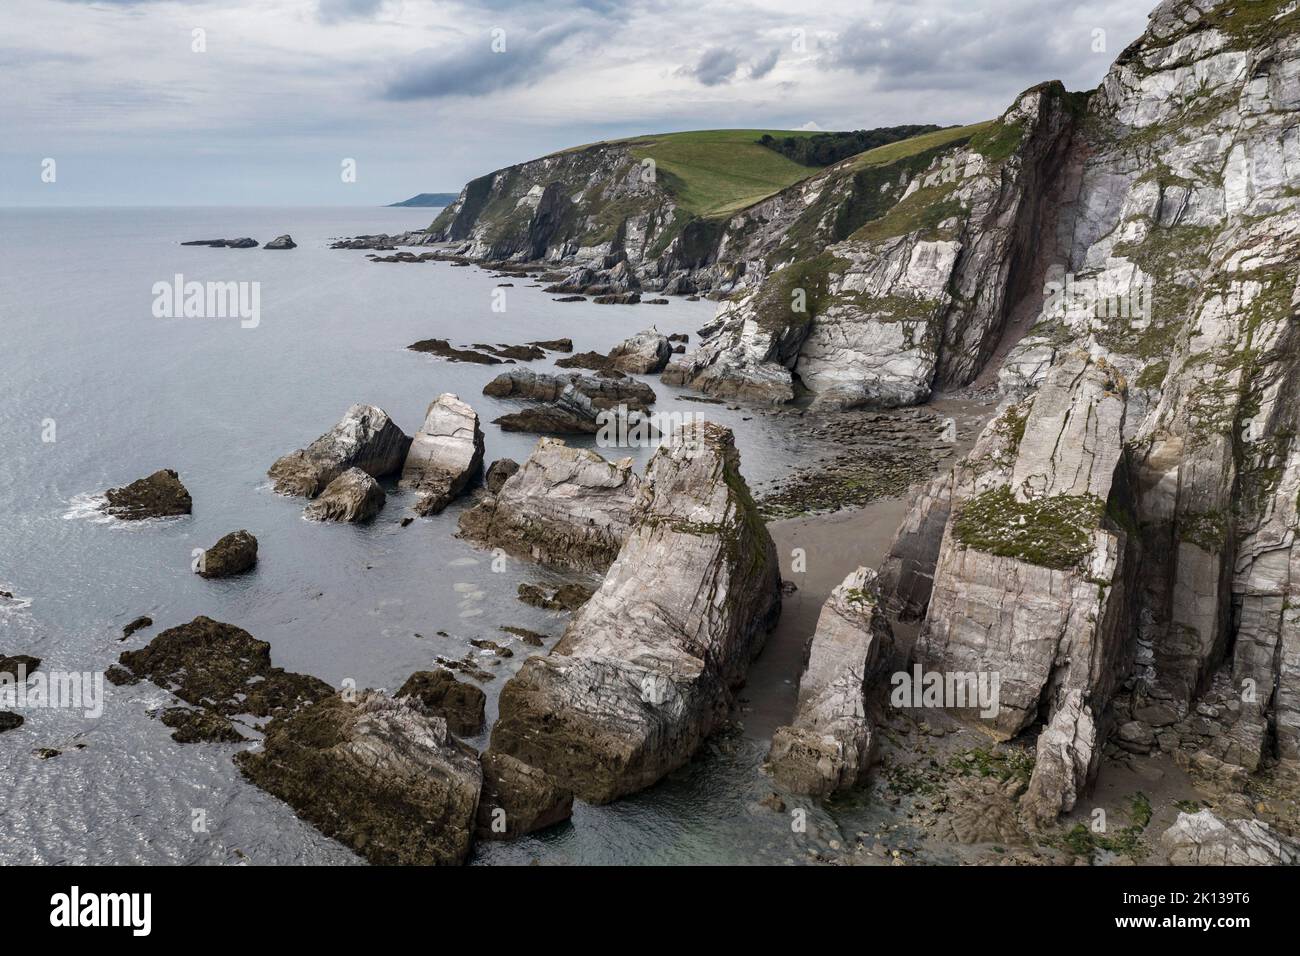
x=161, y=495
x=518, y=799
x=353, y=496
x=460, y=704
x=221, y=670
x=830, y=745
x=281, y=242
x=643, y=672
x=569, y=403
x=645, y=353
x=242, y=243
x=1203, y=839
x=379, y=775
x=366, y=438
x=1030, y=585
x=565, y=506
x=233, y=554
x=445, y=455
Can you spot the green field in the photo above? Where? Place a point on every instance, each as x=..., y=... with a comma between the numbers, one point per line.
x=883, y=155
x=717, y=172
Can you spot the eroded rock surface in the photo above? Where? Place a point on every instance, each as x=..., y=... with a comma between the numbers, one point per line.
x=445, y=455
x=565, y=506
x=460, y=704
x=353, y=496
x=830, y=745
x=1203, y=839
x=381, y=776
x=643, y=672
x=366, y=438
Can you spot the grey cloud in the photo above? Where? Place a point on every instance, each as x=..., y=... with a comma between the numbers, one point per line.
x=716, y=65
x=764, y=64
x=335, y=11
x=474, y=68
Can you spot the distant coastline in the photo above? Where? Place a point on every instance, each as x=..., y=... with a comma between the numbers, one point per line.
x=427, y=199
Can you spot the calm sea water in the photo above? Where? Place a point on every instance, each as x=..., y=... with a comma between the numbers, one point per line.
x=84, y=361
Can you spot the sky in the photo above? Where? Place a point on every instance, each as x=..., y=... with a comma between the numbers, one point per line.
x=272, y=102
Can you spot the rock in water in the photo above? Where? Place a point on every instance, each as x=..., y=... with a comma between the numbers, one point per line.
x=281, y=242
x=643, y=672
x=567, y=403
x=518, y=799
x=353, y=496
x=233, y=554
x=831, y=743
x=366, y=438
x=645, y=353
x=1202, y=839
x=445, y=456
x=461, y=705
x=498, y=472
x=566, y=506
x=9, y=720
x=381, y=776
x=222, y=669
x=161, y=495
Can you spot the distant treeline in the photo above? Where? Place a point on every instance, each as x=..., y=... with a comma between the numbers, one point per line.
x=822, y=149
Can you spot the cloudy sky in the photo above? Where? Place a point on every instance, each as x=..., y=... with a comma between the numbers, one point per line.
x=259, y=102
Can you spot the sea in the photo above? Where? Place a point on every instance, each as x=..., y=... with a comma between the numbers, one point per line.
x=104, y=382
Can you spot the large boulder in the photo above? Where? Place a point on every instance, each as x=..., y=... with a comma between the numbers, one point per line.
x=281, y=242
x=233, y=554
x=366, y=438
x=645, y=353
x=1203, y=839
x=445, y=456
x=161, y=495
x=518, y=799
x=382, y=776
x=565, y=506
x=458, y=703
x=831, y=743
x=644, y=670
x=353, y=496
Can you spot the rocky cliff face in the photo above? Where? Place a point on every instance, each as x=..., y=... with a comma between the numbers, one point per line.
x=1125, y=537
x=920, y=292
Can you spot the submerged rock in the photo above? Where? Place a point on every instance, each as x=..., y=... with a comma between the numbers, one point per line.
x=353, y=496
x=461, y=705
x=190, y=726
x=381, y=776
x=233, y=554
x=518, y=799
x=565, y=506
x=242, y=243
x=444, y=349
x=139, y=623
x=567, y=597
x=365, y=438
x=445, y=456
x=831, y=744
x=1203, y=839
x=644, y=670
x=161, y=495
x=221, y=669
